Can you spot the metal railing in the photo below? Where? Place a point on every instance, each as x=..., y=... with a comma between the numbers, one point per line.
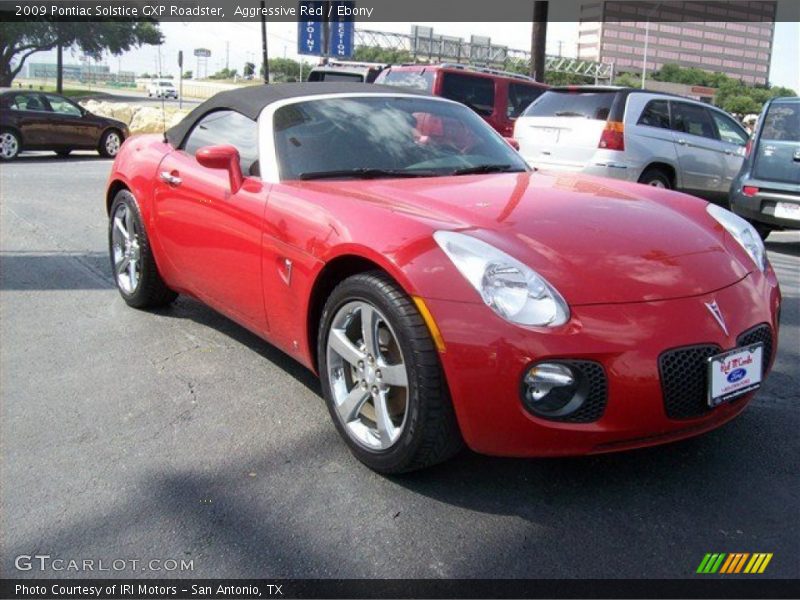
x=448, y=49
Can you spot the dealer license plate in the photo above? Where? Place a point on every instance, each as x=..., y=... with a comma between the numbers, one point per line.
x=784, y=210
x=734, y=373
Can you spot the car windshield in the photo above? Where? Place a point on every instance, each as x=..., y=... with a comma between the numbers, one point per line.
x=378, y=136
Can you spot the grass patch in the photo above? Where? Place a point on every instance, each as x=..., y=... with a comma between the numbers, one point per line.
x=68, y=92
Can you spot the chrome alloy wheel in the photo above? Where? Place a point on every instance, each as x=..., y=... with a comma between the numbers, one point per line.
x=367, y=376
x=9, y=145
x=126, y=249
x=113, y=142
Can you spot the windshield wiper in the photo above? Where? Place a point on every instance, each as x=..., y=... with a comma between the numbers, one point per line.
x=478, y=169
x=364, y=173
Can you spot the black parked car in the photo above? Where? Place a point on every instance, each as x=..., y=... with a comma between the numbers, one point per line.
x=31, y=120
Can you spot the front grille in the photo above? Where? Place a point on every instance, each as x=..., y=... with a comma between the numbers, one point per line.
x=684, y=380
x=595, y=403
x=760, y=333
x=684, y=373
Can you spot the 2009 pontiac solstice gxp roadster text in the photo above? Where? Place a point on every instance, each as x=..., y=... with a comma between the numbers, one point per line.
x=443, y=291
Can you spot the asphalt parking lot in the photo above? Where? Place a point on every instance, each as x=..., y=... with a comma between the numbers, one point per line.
x=179, y=435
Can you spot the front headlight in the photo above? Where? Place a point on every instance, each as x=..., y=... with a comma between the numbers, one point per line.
x=511, y=289
x=742, y=232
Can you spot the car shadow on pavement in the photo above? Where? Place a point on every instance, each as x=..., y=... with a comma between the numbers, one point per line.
x=790, y=248
x=55, y=158
x=189, y=308
x=281, y=513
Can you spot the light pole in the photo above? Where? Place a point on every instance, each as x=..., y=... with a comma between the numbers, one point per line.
x=264, y=53
x=647, y=41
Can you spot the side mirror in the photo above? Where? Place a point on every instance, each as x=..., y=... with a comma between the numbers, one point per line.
x=223, y=157
x=512, y=142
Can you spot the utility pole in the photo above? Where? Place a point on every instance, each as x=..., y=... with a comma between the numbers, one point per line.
x=59, y=68
x=227, y=55
x=326, y=32
x=265, y=55
x=59, y=61
x=538, y=39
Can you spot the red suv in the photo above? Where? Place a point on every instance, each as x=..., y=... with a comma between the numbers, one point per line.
x=497, y=96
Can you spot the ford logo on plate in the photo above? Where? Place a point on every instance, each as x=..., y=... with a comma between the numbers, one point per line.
x=736, y=375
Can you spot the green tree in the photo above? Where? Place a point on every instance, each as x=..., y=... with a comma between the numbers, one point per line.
x=224, y=73
x=628, y=80
x=742, y=105
x=733, y=95
x=283, y=69
x=556, y=78
x=188, y=74
x=19, y=40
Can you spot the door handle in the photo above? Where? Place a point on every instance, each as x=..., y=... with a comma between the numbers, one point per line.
x=682, y=141
x=729, y=152
x=170, y=178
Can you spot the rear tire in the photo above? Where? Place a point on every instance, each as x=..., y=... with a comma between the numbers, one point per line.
x=656, y=177
x=404, y=419
x=132, y=263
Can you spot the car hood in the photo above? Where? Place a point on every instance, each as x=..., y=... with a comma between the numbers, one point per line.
x=596, y=240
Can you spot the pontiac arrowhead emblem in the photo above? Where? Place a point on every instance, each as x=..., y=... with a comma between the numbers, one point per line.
x=713, y=308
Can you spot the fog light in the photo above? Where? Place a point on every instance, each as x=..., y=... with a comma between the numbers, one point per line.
x=553, y=389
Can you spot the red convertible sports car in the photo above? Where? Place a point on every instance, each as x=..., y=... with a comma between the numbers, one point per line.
x=444, y=292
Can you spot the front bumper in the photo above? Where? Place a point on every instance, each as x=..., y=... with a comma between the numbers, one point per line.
x=486, y=357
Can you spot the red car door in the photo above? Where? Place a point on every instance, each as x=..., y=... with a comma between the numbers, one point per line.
x=210, y=238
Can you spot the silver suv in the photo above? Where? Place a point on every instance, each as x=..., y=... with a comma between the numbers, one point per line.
x=653, y=138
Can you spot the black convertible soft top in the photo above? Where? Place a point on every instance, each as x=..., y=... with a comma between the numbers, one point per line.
x=250, y=100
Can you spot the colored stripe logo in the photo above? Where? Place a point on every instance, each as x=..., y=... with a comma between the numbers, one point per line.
x=736, y=562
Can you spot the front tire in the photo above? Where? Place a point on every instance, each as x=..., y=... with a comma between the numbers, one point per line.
x=132, y=262
x=110, y=143
x=382, y=379
x=10, y=144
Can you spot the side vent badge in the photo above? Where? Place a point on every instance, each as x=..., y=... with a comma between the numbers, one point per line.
x=286, y=271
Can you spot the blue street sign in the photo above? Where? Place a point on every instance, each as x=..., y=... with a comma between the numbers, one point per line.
x=309, y=32
x=342, y=32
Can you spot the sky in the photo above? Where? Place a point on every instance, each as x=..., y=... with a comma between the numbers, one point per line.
x=236, y=43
